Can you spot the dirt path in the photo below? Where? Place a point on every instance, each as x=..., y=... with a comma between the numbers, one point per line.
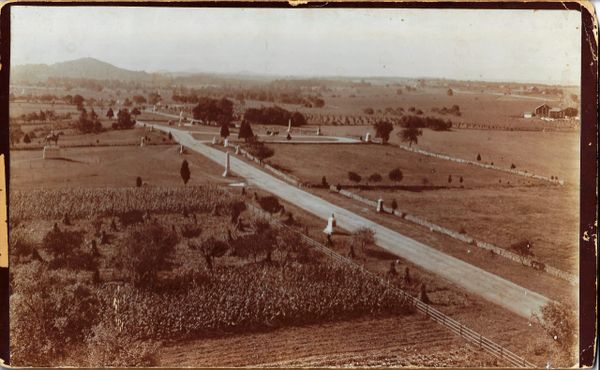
x=491, y=287
x=411, y=340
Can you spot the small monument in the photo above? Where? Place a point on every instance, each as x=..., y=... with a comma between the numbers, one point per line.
x=379, y=205
x=319, y=131
x=237, y=149
x=330, y=225
x=214, y=141
x=368, y=137
x=226, y=173
x=181, y=150
x=226, y=142
x=289, y=126
x=142, y=141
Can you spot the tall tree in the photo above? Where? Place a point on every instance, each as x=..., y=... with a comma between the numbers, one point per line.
x=410, y=135
x=110, y=114
x=246, y=131
x=185, y=172
x=224, y=132
x=383, y=130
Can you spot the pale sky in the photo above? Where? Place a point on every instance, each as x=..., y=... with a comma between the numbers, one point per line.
x=508, y=45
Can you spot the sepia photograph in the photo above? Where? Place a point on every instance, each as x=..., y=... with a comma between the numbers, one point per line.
x=276, y=186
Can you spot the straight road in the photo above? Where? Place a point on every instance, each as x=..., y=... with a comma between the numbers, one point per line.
x=473, y=279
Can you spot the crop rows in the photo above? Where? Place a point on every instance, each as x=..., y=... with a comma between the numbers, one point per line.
x=84, y=203
x=253, y=297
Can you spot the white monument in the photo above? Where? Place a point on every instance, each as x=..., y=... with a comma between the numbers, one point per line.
x=226, y=173
x=180, y=118
x=289, y=126
x=367, y=137
x=226, y=142
x=237, y=149
x=379, y=205
x=330, y=225
x=319, y=131
x=143, y=141
x=180, y=149
x=214, y=140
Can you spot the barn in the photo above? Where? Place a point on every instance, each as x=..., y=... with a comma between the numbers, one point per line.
x=556, y=113
x=543, y=110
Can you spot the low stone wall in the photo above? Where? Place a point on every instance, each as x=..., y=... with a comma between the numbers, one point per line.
x=484, y=165
x=572, y=279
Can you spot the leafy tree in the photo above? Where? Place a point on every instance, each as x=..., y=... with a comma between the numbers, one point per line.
x=136, y=111
x=78, y=101
x=154, y=98
x=410, y=135
x=210, y=248
x=26, y=139
x=139, y=99
x=375, y=178
x=185, y=172
x=274, y=116
x=383, y=130
x=87, y=123
x=246, y=131
x=224, y=132
x=450, y=92
x=259, y=150
x=396, y=175
x=124, y=120
x=354, y=177
x=214, y=110
x=144, y=252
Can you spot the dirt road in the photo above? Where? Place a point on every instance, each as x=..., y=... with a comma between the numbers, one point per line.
x=493, y=288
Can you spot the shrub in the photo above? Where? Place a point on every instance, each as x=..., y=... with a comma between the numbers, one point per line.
x=394, y=205
x=354, y=177
x=259, y=150
x=131, y=217
x=184, y=171
x=26, y=139
x=523, y=247
x=512, y=166
x=61, y=243
x=478, y=157
x=60, y=310
x=560, y=323
x=375, y=178
x=144, y=252
x=270, y=204
x=396, y=175
x=324, y=182
x=138, y=181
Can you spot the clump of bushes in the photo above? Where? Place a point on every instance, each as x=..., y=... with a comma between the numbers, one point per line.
x=433, y=123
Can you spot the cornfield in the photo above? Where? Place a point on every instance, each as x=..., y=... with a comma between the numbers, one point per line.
x=254, y=297
x=85, y=203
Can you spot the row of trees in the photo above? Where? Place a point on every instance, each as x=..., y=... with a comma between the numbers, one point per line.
x=274, y=116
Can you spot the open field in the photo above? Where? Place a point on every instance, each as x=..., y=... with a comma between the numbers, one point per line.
x=544, y=153
x=109, y=167
x=398, y=341
x=368, y=159
x=510, y=197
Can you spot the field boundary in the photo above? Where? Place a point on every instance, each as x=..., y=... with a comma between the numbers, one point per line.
x=572, y=279
x=483, y=165
x=454, y=326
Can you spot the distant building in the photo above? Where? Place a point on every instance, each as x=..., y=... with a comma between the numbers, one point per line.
x=543, y=110
x=556, y=113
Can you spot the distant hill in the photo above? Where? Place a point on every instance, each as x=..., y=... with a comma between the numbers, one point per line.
x=79, y=68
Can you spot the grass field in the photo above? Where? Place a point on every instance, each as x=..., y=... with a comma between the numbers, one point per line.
x=543, y=153
x=109, y=167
